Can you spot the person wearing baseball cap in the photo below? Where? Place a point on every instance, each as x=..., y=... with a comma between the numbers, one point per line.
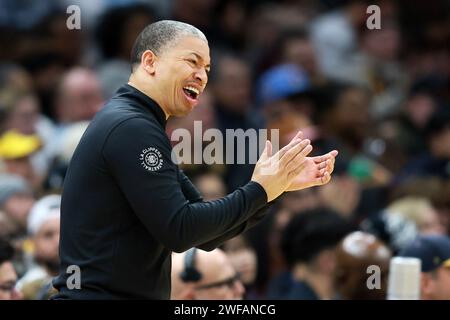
x=14, y=145
x=281, y=82
x=16, y=150
x=434, y=253
x=43, y=227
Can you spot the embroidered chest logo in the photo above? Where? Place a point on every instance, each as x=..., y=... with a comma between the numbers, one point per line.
x=151, y=159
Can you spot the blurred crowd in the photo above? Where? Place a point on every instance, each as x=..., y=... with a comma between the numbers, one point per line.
x=381, y=97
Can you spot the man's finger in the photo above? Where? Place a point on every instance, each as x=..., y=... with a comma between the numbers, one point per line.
x=334, y=153
x=322, y=165
x=299, y=158
x=296, y=140
x=324, y=179
x=321, y=172
x=299, y=135
x=294, y=173
x=267, y=152
x=330, y=166
x=330, y=155
x=291, y=153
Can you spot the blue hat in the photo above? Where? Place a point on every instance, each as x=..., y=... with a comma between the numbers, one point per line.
x=432, y=250
x=281, y=82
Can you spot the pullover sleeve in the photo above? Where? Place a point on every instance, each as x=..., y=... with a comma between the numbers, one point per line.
x=138, y=154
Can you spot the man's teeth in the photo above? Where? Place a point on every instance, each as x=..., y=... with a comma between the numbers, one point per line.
x=192, y=89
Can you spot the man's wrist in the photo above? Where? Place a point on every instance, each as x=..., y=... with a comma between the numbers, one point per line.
x=261, y=188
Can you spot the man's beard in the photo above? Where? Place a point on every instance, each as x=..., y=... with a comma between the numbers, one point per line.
x=51, y=265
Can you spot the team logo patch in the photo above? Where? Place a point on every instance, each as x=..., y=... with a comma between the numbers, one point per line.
x=151, y=159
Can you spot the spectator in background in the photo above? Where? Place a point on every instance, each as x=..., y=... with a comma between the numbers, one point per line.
x=266, y=22
x=8, y=276
x=23, y=14
x=356, y=252
x=16, y=151
x=69, y=140
x=347, y=126
x=13, y=78
x=115, y=33
x=230, y=18
x=420, y=212
x=434, y=253
x=402, y=221
x=79, y=96
x=295, y=47
x=7, y=226
x=16, y=201
x=283, y=94
x=412, y=121
x=210, y=185
x=243, y=258
x=343, y=195
x=435, y=162
x=335, y=38
x=290, y=204
x=48, y=50
x=196, y=13
x=436, y=189
x=309, y=245
x=301, y=200
x=43, y=226
x=23, y=115
x=202, y=275
x=23, y=112
x=45, y=70
x=203, y=112
x=57, y=40
x=345, y=117
x=203, y=116
x=232, y=88
x=382, y=72
x=119, y=26
x=281, y=82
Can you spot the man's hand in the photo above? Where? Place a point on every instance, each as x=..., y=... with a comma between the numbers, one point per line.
x=275, y=173
x=315, y=171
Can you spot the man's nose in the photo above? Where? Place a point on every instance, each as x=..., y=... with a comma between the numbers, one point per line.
x=202, y=77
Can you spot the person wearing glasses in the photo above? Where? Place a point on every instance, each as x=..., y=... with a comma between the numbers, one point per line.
x=203, y=275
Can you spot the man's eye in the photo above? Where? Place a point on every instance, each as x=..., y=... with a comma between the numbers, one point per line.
x=194, y=62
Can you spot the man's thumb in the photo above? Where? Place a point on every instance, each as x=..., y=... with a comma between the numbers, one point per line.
x=267, y=152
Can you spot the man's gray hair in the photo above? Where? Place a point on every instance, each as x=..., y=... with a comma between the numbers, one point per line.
x=159, y=35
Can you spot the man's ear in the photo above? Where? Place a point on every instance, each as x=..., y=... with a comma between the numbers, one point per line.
x=148, y=60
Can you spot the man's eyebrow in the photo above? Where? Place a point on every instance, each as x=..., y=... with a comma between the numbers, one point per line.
x=200, y=58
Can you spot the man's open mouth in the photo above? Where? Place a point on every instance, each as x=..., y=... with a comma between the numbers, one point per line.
x=191, y=92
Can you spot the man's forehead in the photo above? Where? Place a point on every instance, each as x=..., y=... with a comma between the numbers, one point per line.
x=193, y=45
